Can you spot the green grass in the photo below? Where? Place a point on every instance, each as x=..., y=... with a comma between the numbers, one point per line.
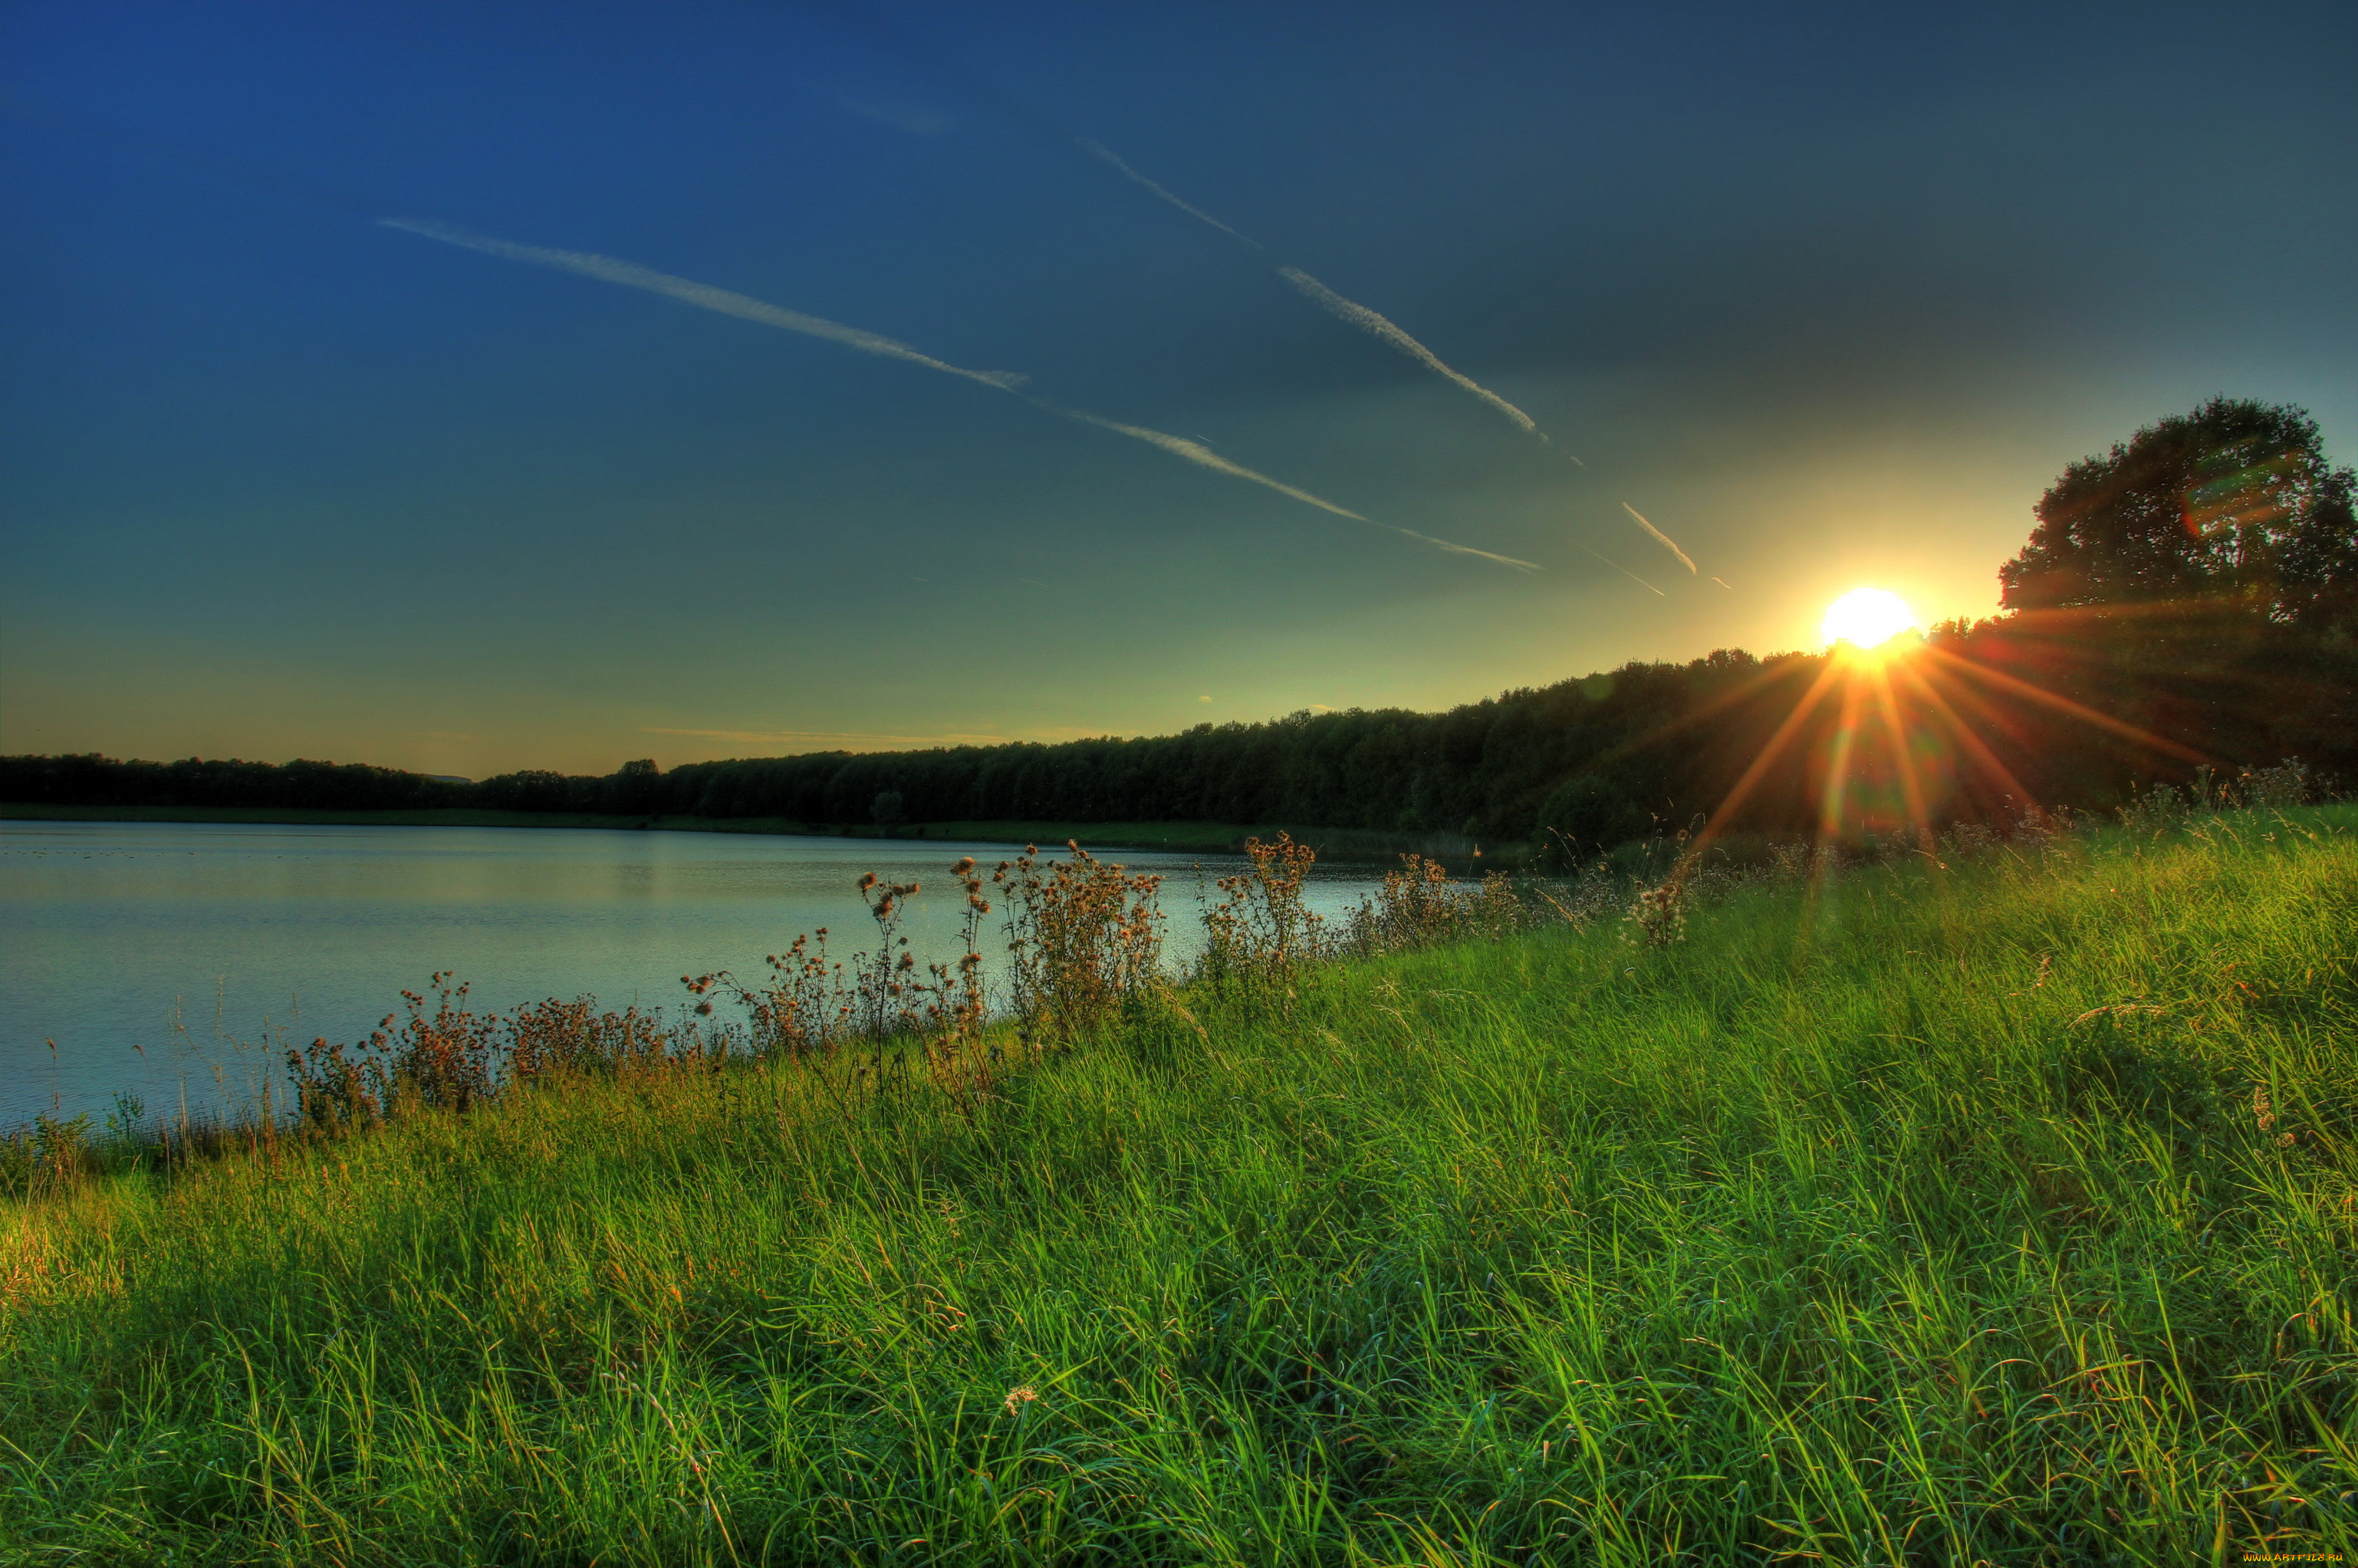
x=1926, y=1217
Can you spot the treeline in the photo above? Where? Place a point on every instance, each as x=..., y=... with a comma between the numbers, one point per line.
x=94, y=780
x=90, y=779
x=2189, y=600
x=1600, y=760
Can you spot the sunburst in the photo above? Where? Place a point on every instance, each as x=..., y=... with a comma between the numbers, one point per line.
x=1888, y=728
x=1866, y=617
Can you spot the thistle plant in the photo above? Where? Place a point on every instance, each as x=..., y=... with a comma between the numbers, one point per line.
x=1084, y=939
x=959, y=1010
x=887, y=996
x=804, y=1006
x=1261, y=934
x=1660, y=913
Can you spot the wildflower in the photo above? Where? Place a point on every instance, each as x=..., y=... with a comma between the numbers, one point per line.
x=1020, y=1396
x=1660, y=913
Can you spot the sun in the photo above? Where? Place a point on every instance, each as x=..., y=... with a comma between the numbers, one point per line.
x=1866, y=617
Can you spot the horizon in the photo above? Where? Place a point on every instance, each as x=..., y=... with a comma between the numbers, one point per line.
x=1240, y=723
x=468, y=394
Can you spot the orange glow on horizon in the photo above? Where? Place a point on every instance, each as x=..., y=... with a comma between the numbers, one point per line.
x=1886, y=730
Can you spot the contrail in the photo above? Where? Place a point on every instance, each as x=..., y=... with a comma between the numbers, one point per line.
x=1661, y=538
x=1384, y=329
x=1373, y=322
x=705, y=296
x=1106, y=154
x=1724, y=583
x=1625, y=571
x=1199, y=453
x=1047, y=128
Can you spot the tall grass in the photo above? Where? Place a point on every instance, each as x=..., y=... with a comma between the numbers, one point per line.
x=1997, y=1213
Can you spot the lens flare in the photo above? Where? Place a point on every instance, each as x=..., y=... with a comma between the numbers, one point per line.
x=1866, y=617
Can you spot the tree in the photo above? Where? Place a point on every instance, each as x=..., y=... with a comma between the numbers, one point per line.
x=2233, y=500
x=632, y=788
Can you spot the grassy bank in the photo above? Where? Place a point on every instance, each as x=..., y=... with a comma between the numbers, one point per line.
x=2003, y=1213
x=1181, y=837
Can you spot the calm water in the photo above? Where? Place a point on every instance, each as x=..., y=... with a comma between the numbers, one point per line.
x=168, y=959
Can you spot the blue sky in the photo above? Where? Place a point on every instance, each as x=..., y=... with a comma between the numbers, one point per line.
x=1829, y=295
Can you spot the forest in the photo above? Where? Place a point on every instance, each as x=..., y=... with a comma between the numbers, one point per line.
x=2186, y=606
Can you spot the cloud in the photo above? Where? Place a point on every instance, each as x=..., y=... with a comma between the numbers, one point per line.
x=705, y=296
x=1661, y=538
x=1383, y=328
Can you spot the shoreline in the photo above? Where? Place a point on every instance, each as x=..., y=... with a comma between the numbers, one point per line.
x=1201, y=838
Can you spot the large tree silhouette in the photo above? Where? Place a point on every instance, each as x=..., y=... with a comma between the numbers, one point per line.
x=2235, y=500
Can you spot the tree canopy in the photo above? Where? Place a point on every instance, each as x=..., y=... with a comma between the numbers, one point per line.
x=2235, y=499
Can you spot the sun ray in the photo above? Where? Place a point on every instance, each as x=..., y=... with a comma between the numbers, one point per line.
x=1974, y=745
x=1911, y=788
x=2020, y=687
x=1937, y=717
x=1982, y=708
x=1768, y=675
x=1837, y=793
x=1743, y=787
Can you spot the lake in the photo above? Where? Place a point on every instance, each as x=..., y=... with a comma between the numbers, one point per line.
x=177, y=961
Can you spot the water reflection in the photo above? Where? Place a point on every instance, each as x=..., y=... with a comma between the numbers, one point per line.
x=170, y=960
